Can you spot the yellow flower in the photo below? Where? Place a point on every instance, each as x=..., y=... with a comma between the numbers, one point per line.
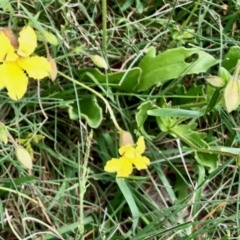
x=129, y=156
x=16, y=61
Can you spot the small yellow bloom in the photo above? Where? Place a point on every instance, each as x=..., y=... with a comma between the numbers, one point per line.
x=15, y=62
x=129, y=156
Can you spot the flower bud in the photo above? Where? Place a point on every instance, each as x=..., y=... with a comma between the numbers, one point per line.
x=99, y=61
x=125, y=139
x=53, y=73
x=232, y=95
x=51, y=38
x=11, y=36
x=216, y=81
x=24, y=157
x=224, y=74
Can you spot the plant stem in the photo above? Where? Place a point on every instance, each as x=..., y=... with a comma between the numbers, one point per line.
x=191, y=14
x=83, y=172
x=98, y=95
x=104, y=26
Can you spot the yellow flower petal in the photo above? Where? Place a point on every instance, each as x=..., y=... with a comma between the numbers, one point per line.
x=122, y=150
x=11, y=57
x=2, y=80
x=36, y=67
x=126, y=170
x=122, y=166
x=27, y=42
x=141, y=162
x=15, y=80
x=6, y=47
x=113, y=165
x=140, y=148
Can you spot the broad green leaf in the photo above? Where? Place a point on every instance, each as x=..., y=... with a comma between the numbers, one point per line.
x=165, y=123
x=172, y=64
x=142, y=115
x=130, y=201
x=129, y=79
x=6, y=6
x=189, y=136
x=196, y=140
x=174, y=112
x=207, y=160
x=231, y=58
x=90, y=110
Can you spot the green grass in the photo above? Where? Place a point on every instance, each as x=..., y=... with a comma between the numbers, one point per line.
x=68, y=195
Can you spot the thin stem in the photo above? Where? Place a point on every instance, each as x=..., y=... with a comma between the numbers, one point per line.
x=191, y=14
x=104, y=25
x=98, y=95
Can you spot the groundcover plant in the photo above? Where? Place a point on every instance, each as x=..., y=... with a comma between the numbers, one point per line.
x=119, y=119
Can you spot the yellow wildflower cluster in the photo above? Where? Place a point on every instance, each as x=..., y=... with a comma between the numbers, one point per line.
x=129, y=156
x=15, y=58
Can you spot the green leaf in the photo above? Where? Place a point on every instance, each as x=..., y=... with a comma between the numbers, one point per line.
x=68, y=228
x=165, y=123
x=213, y=101
x=123, y=80
x=126, y=5
x=172, y=64
x=139, y=6
x=90, y=110
x=11, y=184
x=195, y=140
x=130, y=201
x=174, y=112
x=199, y=191
x=224, y=74
x=207, y=160
x=231, y=58
x=190, y=137
x=6, y=6
x=142, y=115
x=226, y=149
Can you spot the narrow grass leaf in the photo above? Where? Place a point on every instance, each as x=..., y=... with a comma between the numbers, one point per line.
x=130, y=201
x=174, y=112
x=213, y=101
